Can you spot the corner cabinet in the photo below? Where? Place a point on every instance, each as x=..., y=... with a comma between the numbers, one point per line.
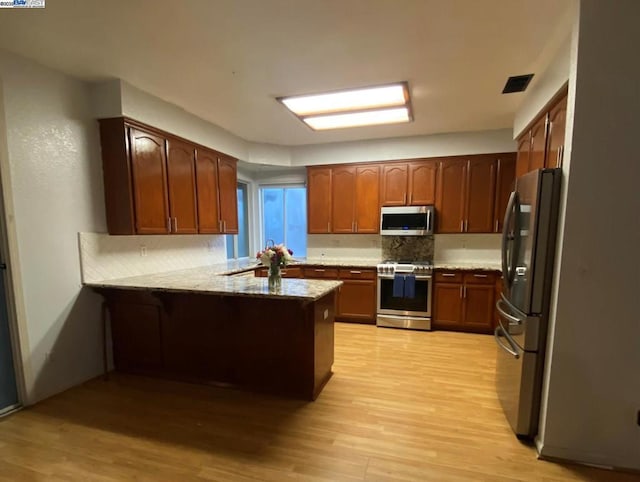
x=157, y=183
x=542, y=145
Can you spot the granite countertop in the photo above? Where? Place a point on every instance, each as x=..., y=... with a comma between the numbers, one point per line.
x=209, y=280
x=469, y=265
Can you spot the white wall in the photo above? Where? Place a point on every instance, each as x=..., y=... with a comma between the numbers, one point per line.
x=452, y=144
x=592, y=386
x=468, y=248
x=52, y=183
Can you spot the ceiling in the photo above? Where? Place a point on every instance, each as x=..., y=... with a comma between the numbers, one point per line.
x=226, y=60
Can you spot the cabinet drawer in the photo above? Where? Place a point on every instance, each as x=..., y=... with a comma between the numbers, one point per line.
x=321, y=273
x=295, y=272
x=261, y=272
x=356, y=273
x=480, y=277
x=448, y=276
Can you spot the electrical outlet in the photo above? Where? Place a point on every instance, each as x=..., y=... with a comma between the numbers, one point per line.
x=143, y=250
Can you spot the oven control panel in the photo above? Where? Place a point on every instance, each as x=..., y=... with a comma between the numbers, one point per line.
x=392, y=268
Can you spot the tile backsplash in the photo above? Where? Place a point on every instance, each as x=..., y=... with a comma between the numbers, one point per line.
x=407, y=248
x=107, y=257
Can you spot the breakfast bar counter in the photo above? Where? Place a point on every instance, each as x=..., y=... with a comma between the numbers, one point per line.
x=197, y=325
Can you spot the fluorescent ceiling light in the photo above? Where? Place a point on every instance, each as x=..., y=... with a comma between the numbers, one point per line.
x=356, y=119
x=348, y=100
x=382, y=104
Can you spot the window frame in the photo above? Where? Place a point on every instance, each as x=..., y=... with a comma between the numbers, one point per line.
x=234, y=237
x=276, y=185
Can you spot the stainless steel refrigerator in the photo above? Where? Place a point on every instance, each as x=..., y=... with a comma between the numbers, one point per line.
x=528, y=249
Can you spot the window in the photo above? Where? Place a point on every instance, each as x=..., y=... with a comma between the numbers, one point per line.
x=238, y=245
x=284, y=217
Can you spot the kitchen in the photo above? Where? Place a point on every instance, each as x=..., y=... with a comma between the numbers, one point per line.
x=53, y=321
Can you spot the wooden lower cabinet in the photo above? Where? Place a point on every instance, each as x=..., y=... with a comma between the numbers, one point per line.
x=464, y=301
x=291, y=272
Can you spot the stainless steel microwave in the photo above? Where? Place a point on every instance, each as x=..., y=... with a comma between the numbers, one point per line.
x=406, y=220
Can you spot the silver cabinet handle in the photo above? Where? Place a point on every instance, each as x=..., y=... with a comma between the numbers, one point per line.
x=410, y=196
x=559, y=156
x=461, y=291
x=404, y=198
x=175, y=225
x=328, y=227
x=219, y=226
x=448, y=275
x=466, y=225
x=356, y=226
x=355, y=272
x=481, y=275
x=464, y=291
x=462, y=226
x=319, y=270
x=495, y=230
x=169, y=224
x=429, y=220
x=224, y=226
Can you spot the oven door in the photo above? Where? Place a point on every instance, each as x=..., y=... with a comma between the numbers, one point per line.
x=420, y=305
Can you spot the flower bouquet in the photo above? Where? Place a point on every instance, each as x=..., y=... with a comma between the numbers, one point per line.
x=275, y=257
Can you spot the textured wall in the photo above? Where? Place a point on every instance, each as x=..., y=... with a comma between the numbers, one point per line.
x=53, y=180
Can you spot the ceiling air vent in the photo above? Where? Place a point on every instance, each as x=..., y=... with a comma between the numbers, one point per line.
x=517, y=83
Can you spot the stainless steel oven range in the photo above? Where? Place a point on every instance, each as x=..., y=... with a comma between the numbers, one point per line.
x=398, y=308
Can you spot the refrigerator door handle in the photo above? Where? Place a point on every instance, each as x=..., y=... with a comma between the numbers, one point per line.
x=506, y=316
x=507, y=269
x=518, y=313
x=511, y=351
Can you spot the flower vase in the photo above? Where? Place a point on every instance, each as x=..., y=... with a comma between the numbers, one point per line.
x=275, y=277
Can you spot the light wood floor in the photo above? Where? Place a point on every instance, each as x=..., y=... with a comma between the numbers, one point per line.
x=401, y=406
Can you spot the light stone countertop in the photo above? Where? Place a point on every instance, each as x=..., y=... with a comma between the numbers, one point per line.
x=469, y=265
x=210, y=280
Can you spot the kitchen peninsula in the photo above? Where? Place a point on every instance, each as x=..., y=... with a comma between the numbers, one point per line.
x=202, y=326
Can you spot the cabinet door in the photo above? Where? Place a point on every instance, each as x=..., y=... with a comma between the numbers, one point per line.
x=207, y=189
x=318, y=200
x=422, y=183
x=394, y=184
x=524, y=147
x=481, y=191
x=357, y=301
x=148, y=166
x=478, y=307
x=450, y=200
x=505, y=179
x=447, y=310
x=227, y=188
x=182, y=186
x=343, y=186
x=367, y=203
x=555, y=142
x=538, y=139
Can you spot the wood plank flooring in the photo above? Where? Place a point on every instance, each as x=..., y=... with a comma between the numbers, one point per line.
x=402, y=405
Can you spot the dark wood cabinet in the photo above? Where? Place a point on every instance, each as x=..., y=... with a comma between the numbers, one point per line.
x=542, y=145
x=556, y=134
x=157, y=183
x=343, y=181
x=466, y=191
x=505, y=183
x=410, y=184
x=227, y=189
x=464, y=301
x=181, y=182
x=319, y=200
x=149, y=179
x=343, y=199
x=450, y=200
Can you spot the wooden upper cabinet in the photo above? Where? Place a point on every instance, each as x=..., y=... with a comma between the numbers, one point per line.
x=181, y=182
x=227, y=194
x=505, y=183
x=394, y=184
x=149, y=177
x=480, y=194
x=319, y=200
x=524, y=148
x=556, y=134
x=157, y=183
x=422, y=183
x=343, y=199
x=367, y=202
x=450, y=200
x=207, y=186
x=538, y=144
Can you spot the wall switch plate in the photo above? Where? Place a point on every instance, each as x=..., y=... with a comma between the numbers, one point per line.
x=143, y=250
